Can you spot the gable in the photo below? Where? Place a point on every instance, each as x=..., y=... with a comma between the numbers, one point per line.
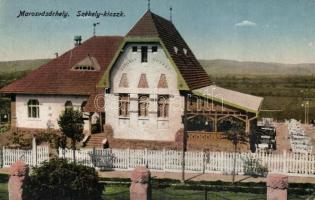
x=153, y=28
x=89, y=63
x=105, y=80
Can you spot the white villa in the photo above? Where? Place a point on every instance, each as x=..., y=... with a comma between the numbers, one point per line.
x=135, y=84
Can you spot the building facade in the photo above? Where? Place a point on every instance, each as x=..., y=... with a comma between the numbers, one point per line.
x=137, y=84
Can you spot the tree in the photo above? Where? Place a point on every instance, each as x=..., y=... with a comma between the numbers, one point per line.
x=71, y=124
x=236, y=134
x=57, y=179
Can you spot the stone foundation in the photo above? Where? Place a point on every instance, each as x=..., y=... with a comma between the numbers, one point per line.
x=215, y=145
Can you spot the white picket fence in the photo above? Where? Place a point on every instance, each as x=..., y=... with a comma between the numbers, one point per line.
x=32, y=157
x=200, y=162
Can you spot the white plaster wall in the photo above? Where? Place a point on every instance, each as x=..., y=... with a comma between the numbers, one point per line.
x=50, y=108
x=150, y=128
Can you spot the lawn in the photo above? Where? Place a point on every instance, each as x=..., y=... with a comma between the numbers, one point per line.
x=3, y=187
x=122, y=193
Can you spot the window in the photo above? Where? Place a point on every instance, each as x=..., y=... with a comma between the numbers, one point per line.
x=143, y=105
x=33, y=108
x=163, y=106
x=144, y=54
x=84, y=68
x=124, y=104
x=154, y=48
x=83, y=105
x=134, y=49
x=68, y=105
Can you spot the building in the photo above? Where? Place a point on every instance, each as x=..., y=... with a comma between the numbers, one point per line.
x=138, y=85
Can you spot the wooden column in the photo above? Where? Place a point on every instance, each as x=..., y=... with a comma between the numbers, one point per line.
x=90, y=123
x=215, y=123
x=247, y=126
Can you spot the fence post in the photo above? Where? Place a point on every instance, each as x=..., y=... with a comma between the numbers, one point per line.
x=94, y=156
x=164, y=159
x=203, y=162
x=284, y=161
x=128, y=158
x=34, y=152
x=2, y=164
x=146, y=157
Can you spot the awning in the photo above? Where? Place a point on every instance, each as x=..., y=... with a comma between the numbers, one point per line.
x=246, y=102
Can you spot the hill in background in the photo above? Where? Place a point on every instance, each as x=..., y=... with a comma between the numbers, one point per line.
x=237, y=68
x=21, y=65
x=217, y=68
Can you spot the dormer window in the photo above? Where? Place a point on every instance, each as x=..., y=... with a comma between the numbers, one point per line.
x=84, y=68
x=175, y=49
x=185, y=51
x=154, y=49
x=89, y=63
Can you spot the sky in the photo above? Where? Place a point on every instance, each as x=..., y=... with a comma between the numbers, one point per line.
x=246, y=30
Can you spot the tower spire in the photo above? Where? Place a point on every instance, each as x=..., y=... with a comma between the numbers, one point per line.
x=149, y=5
x=171, y=14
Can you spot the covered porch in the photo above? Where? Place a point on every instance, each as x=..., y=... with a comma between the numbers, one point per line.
x=213, y=105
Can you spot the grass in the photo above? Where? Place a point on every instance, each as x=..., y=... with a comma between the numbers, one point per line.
x=122, y=193
x=3, y=187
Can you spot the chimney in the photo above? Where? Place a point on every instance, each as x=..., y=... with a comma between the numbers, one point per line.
x=77, y=40
x=56, y=54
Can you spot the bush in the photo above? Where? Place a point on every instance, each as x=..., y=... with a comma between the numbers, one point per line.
x=18, y=140
x=58, y=179
x=253, y=167
x=55, y=140
x=4, y=127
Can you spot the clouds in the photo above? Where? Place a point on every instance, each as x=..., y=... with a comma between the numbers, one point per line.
x=245, y=23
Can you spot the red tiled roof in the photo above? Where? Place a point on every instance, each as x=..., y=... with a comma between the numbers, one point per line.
x=56, y=77
x=152, y=25
x=95, y=102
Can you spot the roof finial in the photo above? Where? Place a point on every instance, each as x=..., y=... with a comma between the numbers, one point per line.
x=149, y=5
x=94, y=25
x=171, y=10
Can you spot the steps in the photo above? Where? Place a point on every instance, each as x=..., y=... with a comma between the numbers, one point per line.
x=95, y=140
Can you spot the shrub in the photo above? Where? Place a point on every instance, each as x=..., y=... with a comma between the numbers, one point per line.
x=58, y=179
x=18, y=140
x=4, y=127
x=55, y=140
x=253, y=167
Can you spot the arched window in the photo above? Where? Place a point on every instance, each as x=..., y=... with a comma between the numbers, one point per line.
x=68, y=105
x=143, y=105
x=83, y=105
x=163, y=105
x=33, y=108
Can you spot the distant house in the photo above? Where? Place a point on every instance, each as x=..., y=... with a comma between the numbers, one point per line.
x=135, y=84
